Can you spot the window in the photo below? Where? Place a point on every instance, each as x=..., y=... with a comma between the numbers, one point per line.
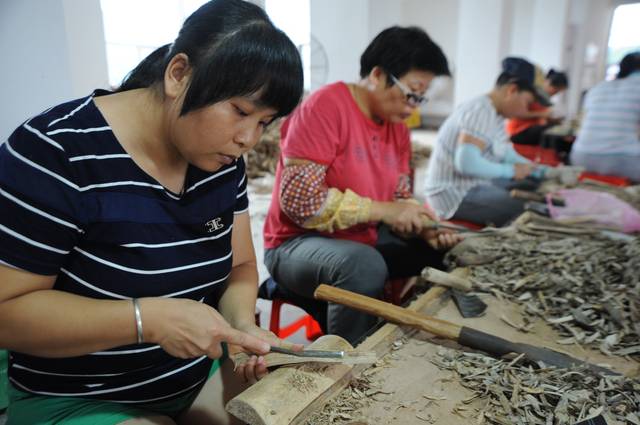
x=292, y=17
x=135, y=28
x=624, y=36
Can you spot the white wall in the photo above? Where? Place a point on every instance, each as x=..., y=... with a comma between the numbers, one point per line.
x=342, y=28
x=549, y=27
x=53, y=51
x=481, y=46
x=589, y=22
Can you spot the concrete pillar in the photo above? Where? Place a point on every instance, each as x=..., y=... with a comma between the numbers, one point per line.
x=53, y=51
x=483, y=40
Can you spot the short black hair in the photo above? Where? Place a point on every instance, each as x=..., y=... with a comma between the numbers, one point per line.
x=234, y=50
x=557, y=79
x=629, y=64
x=506, y=78
x=398, y=50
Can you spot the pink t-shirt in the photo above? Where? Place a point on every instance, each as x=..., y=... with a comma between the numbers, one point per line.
x=328, y=128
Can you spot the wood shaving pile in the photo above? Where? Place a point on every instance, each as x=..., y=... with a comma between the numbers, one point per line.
x=587, y=288
x=520, y=394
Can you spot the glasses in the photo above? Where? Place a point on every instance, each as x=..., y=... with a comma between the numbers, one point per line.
x=413, y=98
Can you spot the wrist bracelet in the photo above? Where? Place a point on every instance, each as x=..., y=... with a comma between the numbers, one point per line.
x=138, y=315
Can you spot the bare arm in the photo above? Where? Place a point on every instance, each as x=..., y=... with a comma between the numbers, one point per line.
x=44, y=322
x=238, y=302
x=37, y=320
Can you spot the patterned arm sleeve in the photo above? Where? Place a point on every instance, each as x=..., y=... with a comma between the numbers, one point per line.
x=306, y=199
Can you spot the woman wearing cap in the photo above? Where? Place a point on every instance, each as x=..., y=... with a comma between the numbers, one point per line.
x=125, y=249
x=343, y=184
x=609, y=138
x=474, y=166
x=528, y=129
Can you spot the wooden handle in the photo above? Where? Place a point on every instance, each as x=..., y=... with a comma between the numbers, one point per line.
x=390, y=312
x=536, y=197
x=526, y=195
x=445, y=279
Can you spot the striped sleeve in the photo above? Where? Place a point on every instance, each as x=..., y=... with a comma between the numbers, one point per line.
x=477, y=123
x=41, y=215
x=242, y=199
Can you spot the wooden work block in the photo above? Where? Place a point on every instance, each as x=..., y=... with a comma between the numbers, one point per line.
x=291, y=392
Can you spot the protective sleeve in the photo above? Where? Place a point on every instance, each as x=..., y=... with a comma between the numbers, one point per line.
x=513, y=157
x=468, y=159
x=306, y=199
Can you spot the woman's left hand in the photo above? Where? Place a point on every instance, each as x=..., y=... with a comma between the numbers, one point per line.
x=256, y=368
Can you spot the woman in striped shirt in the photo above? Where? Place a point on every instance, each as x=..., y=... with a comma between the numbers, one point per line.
x=125, y=248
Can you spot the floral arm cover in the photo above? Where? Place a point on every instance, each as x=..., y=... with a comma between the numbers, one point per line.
x=306, y=199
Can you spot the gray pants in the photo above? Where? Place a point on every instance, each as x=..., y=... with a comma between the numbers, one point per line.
x=302, y=263
x=491, y=204
x=609, y=164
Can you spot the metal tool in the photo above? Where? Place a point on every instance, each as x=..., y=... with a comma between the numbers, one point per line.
x=435, y=225
x=466, y=336
x=309, y=353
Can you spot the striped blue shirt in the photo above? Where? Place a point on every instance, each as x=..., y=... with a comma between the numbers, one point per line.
x=74, y=204
x=611, y=123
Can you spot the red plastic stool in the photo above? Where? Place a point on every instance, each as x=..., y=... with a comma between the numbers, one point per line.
x=546, y=156
x=312, y=328
x=612, y=180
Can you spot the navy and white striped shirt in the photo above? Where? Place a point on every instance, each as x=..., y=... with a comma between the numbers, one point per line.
x=74, y=204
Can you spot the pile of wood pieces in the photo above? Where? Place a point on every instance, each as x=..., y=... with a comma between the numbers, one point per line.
x=585, y=285
x=262, y=160
x=517, y=393
x=345, y=408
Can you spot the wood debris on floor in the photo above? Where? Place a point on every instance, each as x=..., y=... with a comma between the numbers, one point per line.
x=517, y=393
x=587, y=287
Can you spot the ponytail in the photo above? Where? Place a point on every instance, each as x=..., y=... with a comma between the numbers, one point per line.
x=558, y=79
x=150, y=70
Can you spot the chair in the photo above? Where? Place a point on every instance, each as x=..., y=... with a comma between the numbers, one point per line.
x=395, y=291
x=538, y=154
x=269, y=290
x=612, y=180
x=312, y=329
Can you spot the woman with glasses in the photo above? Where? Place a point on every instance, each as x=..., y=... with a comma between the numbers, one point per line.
x=342, y=195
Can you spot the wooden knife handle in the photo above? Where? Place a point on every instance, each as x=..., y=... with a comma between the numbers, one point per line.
x=390, y=312
x=446, y=279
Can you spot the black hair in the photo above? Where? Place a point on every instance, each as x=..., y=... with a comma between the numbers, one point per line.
x=233, y=50
x=630, y=63
x=557, y=79
x=507, y=78
x=398, y=50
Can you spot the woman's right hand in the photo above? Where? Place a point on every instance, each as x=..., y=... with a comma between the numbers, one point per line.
x=403, y=217
x=522, y=171
x=186, y=329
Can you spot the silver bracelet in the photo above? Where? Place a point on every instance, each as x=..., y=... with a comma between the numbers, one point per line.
x=136, y=310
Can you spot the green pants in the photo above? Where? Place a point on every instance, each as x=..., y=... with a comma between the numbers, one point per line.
x=4, y=399
x=26, y=408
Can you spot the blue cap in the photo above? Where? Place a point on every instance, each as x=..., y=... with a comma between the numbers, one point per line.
x=528, y=76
